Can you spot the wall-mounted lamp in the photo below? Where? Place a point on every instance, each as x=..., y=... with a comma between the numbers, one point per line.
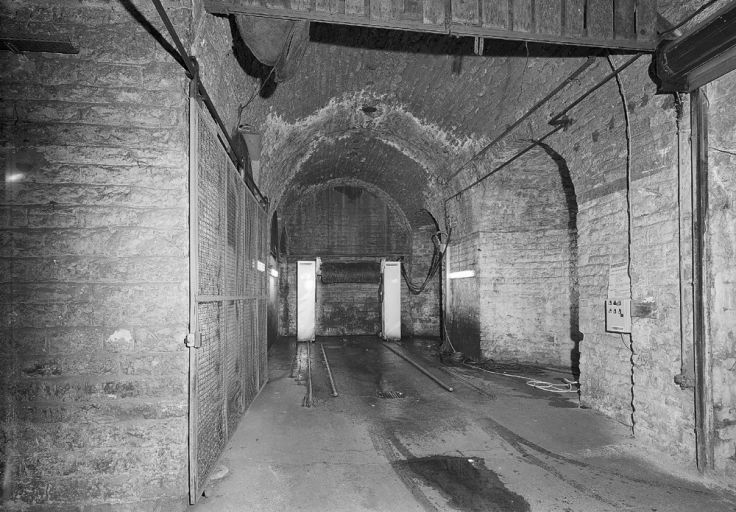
x=460, y=274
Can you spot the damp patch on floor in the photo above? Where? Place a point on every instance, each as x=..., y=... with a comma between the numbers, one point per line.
x=466, y=483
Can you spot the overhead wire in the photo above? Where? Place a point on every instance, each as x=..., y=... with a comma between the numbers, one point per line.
x=560, y=121
x=572, y=77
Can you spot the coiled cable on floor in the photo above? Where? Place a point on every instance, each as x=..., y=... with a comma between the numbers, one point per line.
x=568, y=387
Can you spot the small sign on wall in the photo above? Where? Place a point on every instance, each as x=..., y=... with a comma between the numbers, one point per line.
x=618, y=303
x=618, y=315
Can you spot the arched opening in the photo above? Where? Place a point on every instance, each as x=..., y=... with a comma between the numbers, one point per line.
x=513, y=264
x=343, y=223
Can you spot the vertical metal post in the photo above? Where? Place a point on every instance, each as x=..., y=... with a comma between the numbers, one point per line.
x=193, y=284
x=224, y=182
x=704, y=431
x=686, y=378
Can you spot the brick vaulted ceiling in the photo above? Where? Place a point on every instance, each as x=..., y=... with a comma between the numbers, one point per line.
x=360, y=159
x=395, y=110
x=436, y=104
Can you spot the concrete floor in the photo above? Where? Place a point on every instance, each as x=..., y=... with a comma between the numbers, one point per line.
x=495, y=443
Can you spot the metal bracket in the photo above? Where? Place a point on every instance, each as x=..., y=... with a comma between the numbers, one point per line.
x=193, y=340
x=685, y=381
x=194, y=83
x=563, y=121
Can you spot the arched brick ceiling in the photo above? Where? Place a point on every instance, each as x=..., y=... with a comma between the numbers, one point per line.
x=435, y=103
x=357, y=158
x=416, y=72
x=293, y=199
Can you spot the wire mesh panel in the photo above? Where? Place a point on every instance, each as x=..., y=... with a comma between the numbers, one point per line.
x=229, y=366
x=210, y=424
x=211, y=163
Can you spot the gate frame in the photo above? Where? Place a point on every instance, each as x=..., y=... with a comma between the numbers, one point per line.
x=193, y=339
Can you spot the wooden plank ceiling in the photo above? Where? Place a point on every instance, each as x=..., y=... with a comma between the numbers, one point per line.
x=623, y=24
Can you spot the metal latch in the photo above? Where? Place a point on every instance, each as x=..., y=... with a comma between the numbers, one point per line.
x=194, y=340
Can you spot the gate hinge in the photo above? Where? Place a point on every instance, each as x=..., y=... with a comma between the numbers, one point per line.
x=194, y=340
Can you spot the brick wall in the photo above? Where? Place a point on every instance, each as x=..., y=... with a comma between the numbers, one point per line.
x=341, y=223
x=522, y=230
x=631, y=378
x=421, y=313
x=94, y=261
x=643, y=224
x=662, y=411
x=344, y=221
x=463, y=310
x=721, y=280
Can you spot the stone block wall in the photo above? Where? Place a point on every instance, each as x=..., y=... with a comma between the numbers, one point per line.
x=93, y=259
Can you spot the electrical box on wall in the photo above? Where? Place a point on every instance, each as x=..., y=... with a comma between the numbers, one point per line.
x=618, y=315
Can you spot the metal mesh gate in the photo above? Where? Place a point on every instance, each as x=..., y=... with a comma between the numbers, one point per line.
x=228, y=286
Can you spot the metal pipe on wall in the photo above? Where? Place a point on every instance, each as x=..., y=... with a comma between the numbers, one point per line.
x=704, y=428
x=686, y=378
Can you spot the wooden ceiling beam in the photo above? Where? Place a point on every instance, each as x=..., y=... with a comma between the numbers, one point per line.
x=588, y=23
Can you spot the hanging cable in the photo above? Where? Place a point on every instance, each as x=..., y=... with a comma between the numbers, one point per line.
x=258, y=89
x=622, y=94
x=438, y=253
x=434, y=265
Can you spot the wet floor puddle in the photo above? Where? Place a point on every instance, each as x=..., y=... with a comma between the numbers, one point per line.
x=468, y=484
